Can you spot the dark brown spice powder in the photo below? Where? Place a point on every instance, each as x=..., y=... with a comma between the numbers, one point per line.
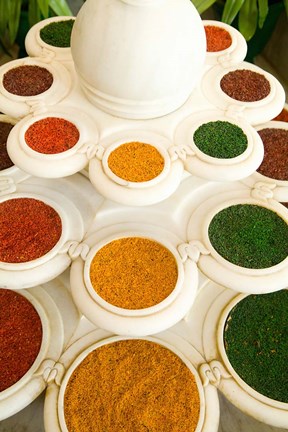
x=245, y=85
x=218, y=39
x=28, y=80
x=5, y=161
x=20, y=337
x=275, y=162
x=52, y=135
x=29, y=229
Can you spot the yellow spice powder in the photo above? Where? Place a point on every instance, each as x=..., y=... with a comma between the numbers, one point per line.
x=136, y=162
x=133, y=272
x=132, y=386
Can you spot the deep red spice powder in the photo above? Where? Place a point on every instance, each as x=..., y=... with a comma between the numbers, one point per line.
x=29, y=229
x=218, y=39
x=28, y=80
x=283, y=116
x=52, y=135
x=245, y=85
x=5, y=161
x=20, y=337
x=275, y=162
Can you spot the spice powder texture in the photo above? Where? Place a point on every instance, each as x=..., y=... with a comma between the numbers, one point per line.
x=283, y=116
x=245, y=85
x=20, y=337
x=28, y=80
x=250, y=236
x=132, y=385
x=133, y=272
x=275, y=162
x=256, y=343
x=52, y=135
x=136, y=162
x=220, y=139
x=58, y=33
x=218, y=39
x=5, y=161
x=29, y=229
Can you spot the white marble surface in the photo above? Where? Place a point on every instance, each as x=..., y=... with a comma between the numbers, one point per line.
x=232, y=420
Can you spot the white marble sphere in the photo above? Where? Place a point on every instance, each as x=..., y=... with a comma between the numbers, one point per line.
x=138, y=59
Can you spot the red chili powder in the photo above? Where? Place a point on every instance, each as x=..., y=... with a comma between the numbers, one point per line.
x=52, y=135
x=29, y=229
x=28, y=80
x=218, y=39
x=20, y=337
x=275, y=162
x=245, y=85
x=283, y=116
x=5, y=161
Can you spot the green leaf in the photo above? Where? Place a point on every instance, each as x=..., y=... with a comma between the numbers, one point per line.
x=34, y=14
x=286, y=6
x=202, y=5
x=4, y=15
x=44, y=7
x=248, y=18
x=231, y=9
x=60, y=7
x=14, y=9
x=263, y=11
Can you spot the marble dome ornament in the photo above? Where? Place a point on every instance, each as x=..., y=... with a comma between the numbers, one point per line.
x=58, y=322
x=219, y=147
x=276, y=161
x=130, y=314
x=215, y=323
x=150, y=70
x=74, y=358
x=215, y=224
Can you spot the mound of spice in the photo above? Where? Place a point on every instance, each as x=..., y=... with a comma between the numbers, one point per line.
x=5, y=161
x=28, y=80
x=29, y=229
x=52, y=135
x=275, y=162
x=218, y=39
x=136, y=162
x=20, y=337
x=58, y=33
x=283, y=116
x=256, y=343
x=132, y=385
x=245, y=85
x=133, y=272
x=250, y=236
x=220, y=139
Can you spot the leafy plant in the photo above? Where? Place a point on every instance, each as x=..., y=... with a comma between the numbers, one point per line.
x=251, y=13
x=10, y=15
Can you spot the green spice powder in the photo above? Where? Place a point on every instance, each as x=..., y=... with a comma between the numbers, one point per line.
x=256, y=343
x=58, y=33
x=220, y=139
x=250, y=236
